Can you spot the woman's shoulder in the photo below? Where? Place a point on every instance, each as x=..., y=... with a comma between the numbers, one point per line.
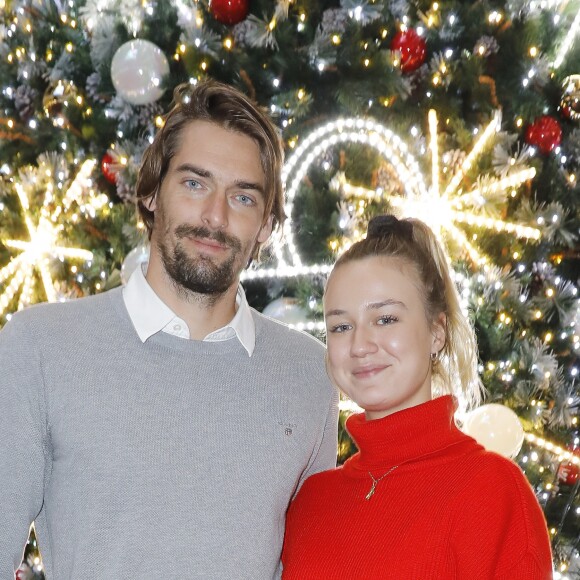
x=492, y=469
x=497, y=511
x=321, y=481
x=324, y=477
x=495, y=481
x=495, y=466
x=498, y=507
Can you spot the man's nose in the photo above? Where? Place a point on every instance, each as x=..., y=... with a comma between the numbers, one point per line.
x=215, y=211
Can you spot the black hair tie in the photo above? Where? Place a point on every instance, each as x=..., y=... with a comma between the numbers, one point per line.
x=388, y=225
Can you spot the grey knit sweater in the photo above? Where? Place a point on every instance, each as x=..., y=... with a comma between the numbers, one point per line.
x=169, y=459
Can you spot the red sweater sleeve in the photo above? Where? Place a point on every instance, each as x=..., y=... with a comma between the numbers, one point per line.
x=499, y=530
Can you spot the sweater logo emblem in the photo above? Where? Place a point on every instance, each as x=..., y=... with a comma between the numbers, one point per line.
x=288, y=428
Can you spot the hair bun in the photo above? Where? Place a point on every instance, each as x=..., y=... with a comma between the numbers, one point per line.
x=387, y=225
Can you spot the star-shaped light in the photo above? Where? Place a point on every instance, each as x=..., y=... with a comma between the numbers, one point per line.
x=445, y=211
x=43, y=244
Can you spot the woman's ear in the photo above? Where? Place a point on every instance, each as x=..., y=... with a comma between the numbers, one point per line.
x=439, y=332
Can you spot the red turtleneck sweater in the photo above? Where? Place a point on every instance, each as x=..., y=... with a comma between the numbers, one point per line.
x=450, y=510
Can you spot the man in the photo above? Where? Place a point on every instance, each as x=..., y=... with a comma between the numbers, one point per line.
x=161, y=430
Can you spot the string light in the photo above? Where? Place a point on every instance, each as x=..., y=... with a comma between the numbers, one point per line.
x=352, y=130
x=286, y=271
x=432, y=119
x=553, y=448
x=309, y=326
x=536, y=5
x=568, y=41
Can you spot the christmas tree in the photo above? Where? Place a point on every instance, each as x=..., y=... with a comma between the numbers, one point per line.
x=465, y=115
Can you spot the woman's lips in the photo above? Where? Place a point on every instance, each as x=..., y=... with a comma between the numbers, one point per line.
x=368, y=371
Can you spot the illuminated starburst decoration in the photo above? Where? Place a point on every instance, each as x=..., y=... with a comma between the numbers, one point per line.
x=44, y=242
x=447, y=210
x=444, y=211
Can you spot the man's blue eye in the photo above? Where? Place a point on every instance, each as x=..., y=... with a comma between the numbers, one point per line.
x=245, y=199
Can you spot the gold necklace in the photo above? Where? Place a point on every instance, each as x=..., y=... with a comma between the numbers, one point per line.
x=376, y=481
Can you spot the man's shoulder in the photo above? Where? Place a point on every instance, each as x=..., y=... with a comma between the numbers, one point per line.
x=55, y=314
x=270, y=330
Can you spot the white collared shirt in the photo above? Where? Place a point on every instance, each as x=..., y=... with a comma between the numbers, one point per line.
x=149, y=315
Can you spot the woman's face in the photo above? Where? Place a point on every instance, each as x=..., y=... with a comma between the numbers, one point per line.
x=379, y=339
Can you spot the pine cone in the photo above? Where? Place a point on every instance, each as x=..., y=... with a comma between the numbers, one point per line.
x=24, y=98
x=454, y=160
x=93, y=87
x=334, y=21
x=388, y=179
x=241, y=32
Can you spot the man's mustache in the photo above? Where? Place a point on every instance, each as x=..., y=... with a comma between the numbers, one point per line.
x=186, y=231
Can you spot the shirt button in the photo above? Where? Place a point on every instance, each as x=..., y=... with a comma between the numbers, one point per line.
x=176, y=327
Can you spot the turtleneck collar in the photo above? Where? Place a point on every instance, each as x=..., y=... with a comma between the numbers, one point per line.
x=404, y=436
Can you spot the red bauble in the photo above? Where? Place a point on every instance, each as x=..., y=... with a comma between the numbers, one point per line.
x=107, y=163
x=229, y=11
x=568, y=473
x=566, y=111
x=412, y=47
x=545, y=133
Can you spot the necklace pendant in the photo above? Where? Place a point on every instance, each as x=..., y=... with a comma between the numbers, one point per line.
x=372, y=491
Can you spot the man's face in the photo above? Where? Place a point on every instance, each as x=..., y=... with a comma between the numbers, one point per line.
x=209, y=212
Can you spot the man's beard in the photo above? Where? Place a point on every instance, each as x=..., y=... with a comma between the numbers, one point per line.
x=200, y=274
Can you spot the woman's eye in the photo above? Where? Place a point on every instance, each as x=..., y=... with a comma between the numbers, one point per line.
x=387, y=319
x=338, y=328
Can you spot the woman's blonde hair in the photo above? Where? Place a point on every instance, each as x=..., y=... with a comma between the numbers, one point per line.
x=412, y=241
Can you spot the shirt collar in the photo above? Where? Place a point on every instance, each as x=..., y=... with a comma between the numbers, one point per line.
x=150, y=315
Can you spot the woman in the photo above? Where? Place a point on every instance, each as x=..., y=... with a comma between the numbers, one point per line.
x=420, y=500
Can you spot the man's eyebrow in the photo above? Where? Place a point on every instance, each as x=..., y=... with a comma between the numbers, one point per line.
x=246, y=185
x=189, y=168
x=250, y=185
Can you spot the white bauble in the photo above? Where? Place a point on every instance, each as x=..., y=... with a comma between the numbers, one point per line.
x=137, y=71
x=134, y=259
x=496, y=427
x=286, y=310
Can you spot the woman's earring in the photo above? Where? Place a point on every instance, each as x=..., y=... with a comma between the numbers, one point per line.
x=433, y=357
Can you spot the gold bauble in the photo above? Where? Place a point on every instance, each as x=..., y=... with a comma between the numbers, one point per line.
x=570, y=102
x=58, y=95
